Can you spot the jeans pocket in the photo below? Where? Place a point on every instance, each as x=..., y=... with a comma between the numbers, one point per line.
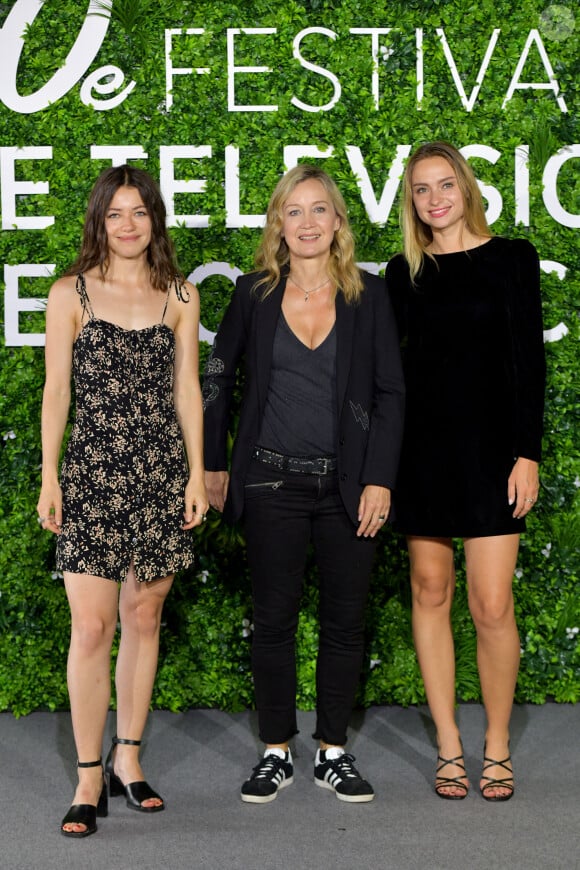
x=263, y=488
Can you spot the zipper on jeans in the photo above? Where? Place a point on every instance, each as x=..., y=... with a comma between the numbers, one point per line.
x=272, y=484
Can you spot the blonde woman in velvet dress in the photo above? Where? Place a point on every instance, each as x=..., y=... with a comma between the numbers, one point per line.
x=469, y=313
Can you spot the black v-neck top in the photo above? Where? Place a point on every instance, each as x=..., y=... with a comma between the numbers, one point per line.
x=300, y=417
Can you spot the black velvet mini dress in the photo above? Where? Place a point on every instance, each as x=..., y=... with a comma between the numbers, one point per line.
x=472, y=343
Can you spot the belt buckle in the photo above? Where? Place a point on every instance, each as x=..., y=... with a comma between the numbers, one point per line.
x=324, y=462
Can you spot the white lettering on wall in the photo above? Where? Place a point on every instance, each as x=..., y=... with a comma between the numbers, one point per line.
x=522, y=185
x=493, y=196
x=551, y=85
x=374, y=32
x=80, y=57
x=378, y=204
x=172, y=71
x=550, y=188
x=118, y=154
x=319, y=70
x=105, y=80
x=12, y=188
x=170, y=185
x=556, y=333
x=109, y=80
x=233, y=217
x=419, y=66
x=13, y=304
x=466, y=102
x=233, y=70
x=378, y=212
x=232, y=273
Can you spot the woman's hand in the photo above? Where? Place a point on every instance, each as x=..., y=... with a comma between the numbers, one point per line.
x=196, y=503
x=49, y=508
x=523, y=486
x=217, y=483
x=373, y=510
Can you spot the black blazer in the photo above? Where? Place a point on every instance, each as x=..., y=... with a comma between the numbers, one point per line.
x=369, y=385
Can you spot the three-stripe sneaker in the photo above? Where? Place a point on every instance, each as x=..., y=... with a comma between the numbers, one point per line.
x=334, y=769
x=274, y=771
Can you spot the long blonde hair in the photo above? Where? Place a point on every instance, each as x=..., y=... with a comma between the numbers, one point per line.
x=417, y=236
x=273, y=253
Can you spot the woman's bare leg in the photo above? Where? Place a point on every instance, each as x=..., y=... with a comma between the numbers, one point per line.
x=140, y=609
x=93, y=604
x=433, y=586
x=490, y=567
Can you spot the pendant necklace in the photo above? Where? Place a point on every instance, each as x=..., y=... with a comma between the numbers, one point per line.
x=307, y=293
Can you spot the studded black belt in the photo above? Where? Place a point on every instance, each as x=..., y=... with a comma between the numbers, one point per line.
x=300, y=464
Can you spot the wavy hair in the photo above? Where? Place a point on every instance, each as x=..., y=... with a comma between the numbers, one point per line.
x=95, y=248
x=273, y=253
x=417, y=235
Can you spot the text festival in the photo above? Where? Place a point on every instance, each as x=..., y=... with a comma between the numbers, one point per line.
x=106, y=88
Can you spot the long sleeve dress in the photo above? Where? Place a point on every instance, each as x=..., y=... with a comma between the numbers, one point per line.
x=473, y=356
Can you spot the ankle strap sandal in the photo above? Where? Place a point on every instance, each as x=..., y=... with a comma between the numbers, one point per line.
x=135, y=792
x=86, y=814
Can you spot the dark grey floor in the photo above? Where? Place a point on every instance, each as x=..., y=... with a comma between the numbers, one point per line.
x=198, y=760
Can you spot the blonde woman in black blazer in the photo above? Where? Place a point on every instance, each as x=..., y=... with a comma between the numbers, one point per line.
x=314, y=460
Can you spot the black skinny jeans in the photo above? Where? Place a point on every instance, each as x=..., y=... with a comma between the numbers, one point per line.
x=284, y=512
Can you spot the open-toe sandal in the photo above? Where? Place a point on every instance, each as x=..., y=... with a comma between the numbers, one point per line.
x=506, y=782
x=135, y=792
x=86, y=814
x=442, y=782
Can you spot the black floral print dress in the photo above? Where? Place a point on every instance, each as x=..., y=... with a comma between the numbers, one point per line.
x=124, y=471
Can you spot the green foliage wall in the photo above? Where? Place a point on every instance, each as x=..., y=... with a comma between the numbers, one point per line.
x=207, y=631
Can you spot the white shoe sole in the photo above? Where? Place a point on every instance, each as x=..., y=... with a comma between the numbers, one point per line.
x=267, y=798
x=348, y=798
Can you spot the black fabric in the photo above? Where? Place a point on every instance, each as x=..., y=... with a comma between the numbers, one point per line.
x=284, y=512
x=300, y=417
x=369, y=388
x=474, y=368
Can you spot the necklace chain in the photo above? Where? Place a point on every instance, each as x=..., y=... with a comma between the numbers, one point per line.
x=307, y=293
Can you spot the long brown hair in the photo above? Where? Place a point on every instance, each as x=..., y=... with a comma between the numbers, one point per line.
x=273, y=253
x=95, y=249
x=417, y=235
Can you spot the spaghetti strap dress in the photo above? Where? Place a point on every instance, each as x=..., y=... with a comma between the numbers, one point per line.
x=124, y=471
x=473, y=354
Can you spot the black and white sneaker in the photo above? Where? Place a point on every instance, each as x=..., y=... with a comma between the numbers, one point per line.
x=274, y=771
x=334, y=769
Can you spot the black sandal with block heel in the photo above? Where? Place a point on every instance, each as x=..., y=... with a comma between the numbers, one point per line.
x=86, y=814
x=135, y=792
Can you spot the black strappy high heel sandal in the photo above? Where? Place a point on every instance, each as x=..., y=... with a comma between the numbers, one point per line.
x=135, y=792
x=442, y=782
x=492, y=782
x=86, y=814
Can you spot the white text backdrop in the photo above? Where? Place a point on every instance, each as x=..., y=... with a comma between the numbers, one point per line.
x=109, y=88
